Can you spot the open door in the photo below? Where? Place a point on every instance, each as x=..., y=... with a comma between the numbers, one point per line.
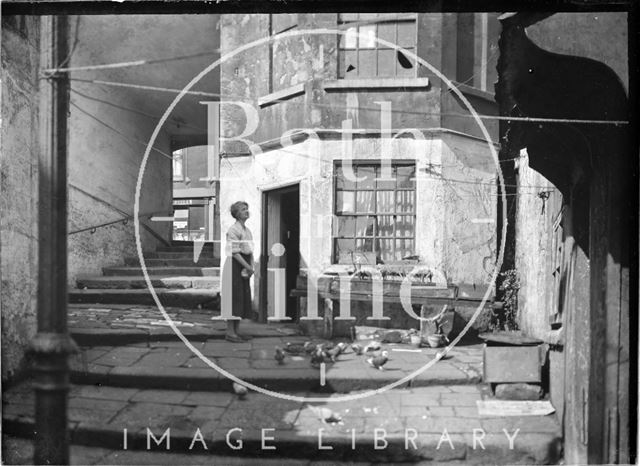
x=280, y=265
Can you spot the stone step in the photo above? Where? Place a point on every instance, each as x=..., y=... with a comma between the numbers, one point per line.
x=120, y=325
x=208, y=247
x=138, y=282
x=188, y=254
x=163, y=271
x=179, y=243
x=187, y=298
x=99, y=415
x=174, y=262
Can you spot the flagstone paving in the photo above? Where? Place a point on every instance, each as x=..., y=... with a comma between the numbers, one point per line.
x=429, y=416
x=133, y=377
x=171, y=364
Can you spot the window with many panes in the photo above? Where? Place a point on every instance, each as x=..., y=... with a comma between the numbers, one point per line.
x=374, y=217
x=362, y=56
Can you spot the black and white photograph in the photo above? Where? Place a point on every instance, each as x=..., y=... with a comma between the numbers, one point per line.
x=309, y=232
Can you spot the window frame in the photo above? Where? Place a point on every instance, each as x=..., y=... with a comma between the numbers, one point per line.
x=395, y=19
x=182, y=153
x=375, y=237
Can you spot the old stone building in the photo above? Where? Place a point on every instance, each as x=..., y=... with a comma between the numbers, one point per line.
x=333, y=90
x=308, y=98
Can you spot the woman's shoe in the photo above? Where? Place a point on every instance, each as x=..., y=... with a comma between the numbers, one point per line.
x=246, y=337
x=233, y=338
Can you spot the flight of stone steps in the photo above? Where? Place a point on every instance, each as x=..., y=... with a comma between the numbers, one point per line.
x=180, y=277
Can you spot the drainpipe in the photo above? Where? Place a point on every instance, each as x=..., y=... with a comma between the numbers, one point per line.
x=52, y=345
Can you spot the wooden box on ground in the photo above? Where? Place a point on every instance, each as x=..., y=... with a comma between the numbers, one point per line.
x=511, y=358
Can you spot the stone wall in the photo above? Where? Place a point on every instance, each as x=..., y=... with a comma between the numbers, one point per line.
x=103, y=169
x=535, y=263
x=110, y=127
x=535, y=216
x=19, y=188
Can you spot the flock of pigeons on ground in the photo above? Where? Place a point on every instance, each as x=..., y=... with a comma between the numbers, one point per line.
x=329, y=352
x=323, y=353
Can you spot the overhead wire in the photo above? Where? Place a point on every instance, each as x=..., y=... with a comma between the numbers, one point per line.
x=129, y=139
x=202, y=129
x=73, y=48
x=143, y=143
x=134, y=111
x=200, y=93
x=446, y=180
x=404, y=112
x=129, y=64
x=124, y=136
x=141, y=62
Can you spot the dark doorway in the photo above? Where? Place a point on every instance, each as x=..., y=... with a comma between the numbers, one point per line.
x=280, y=224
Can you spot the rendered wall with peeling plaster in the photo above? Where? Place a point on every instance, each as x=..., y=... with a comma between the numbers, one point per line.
x=534, y=255
x=448, y=235
x=19, y=188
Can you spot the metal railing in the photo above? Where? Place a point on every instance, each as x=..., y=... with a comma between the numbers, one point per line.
x=124, y=220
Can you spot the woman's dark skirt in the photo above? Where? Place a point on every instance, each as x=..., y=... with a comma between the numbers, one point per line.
x=241, y=291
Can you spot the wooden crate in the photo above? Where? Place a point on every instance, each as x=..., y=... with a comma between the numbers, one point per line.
x=510, y=364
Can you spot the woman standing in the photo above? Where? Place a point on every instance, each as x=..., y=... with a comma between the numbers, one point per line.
x=240, y=265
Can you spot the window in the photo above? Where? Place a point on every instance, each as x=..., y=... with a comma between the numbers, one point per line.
x=362, y=56
x=178, y=165
x=374, y=218
x=189, y=221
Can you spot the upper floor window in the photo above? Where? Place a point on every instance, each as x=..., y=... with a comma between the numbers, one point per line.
x=360, y=55
x=374, y=218
x=178, y=165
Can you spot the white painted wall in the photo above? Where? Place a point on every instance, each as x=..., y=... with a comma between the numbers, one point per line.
x=446, y=238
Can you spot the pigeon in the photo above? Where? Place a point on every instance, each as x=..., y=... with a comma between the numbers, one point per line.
x=240, y=390
x=334, y=352
x=333, y=418
x=308, y=347
x=358, y=349
x=294, y=348
x=279, y=355
x=379, y=361
x=327, y=345
x=372, y=346
x=326, y=415
x=317, y=357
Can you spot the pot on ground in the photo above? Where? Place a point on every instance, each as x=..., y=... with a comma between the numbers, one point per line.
x=436, y=340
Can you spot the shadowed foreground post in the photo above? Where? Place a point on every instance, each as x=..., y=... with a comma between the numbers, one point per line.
x=52, y=345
